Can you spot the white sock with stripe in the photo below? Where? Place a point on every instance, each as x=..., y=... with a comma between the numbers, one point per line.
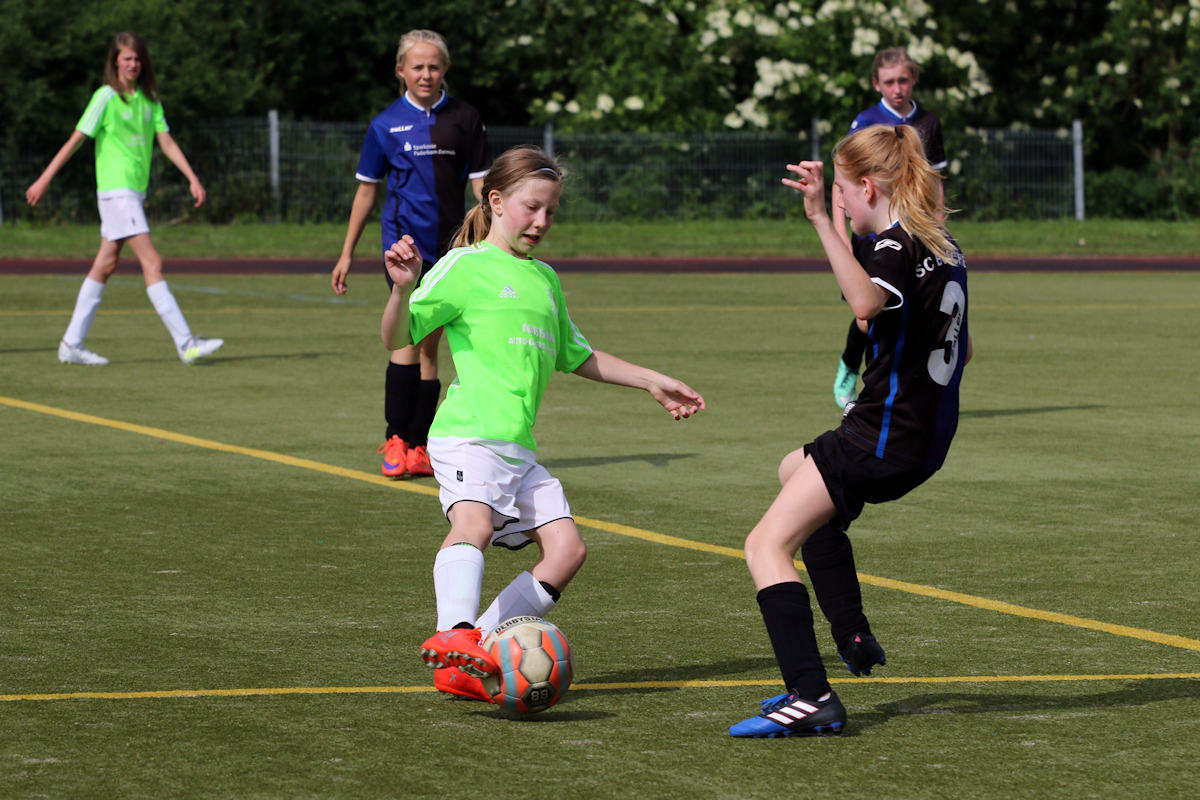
x=524, y=597
x=168, y=310
x=457, y=583
x=86, y=304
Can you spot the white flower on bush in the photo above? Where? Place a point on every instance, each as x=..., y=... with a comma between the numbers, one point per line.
x=866, y=42
x=750, y=112
x=734, y=120
x=573, y=107
x=634, y=103
x=604, y=104
x=921, y=50
x=553, y=107
x=1103, y=68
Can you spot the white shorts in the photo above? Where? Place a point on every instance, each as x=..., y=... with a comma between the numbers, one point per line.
x=522, y=494
x=121, y=214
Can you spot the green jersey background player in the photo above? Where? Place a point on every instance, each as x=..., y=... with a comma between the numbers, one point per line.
x=125, y=118
x=509, y=330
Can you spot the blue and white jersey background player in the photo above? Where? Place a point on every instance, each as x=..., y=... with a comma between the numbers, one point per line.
x=425, y=147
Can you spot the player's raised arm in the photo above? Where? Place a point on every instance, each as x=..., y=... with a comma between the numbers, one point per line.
x=681, y=400
x=403, y=264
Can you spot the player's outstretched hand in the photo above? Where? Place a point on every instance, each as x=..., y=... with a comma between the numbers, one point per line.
x=34, y=194
x=403, y=262
x=337, y=278
x=197, y=191
x=811, y=183
x=676, y=397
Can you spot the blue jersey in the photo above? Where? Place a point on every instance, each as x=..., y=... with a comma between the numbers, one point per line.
x=427, y=158
x=925, y=123
x=907, y=412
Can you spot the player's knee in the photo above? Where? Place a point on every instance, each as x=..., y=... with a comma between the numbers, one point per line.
x=571, y=552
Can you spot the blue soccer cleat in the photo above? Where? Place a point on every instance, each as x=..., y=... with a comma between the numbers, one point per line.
x=862, y=654
x=788, y=715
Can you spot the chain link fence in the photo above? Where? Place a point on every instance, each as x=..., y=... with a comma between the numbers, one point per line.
x=267, y=169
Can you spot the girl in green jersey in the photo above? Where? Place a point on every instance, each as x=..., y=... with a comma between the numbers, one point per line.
x=125, y=117
x=508, y=330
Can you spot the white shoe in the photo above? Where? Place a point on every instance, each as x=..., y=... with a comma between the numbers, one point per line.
x=198, y=348
x=78, y=354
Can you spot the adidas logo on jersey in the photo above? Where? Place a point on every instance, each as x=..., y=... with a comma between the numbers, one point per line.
x=509, y=291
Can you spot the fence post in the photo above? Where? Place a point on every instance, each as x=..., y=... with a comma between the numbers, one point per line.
x=816, y=139
x=273, y=134
x=1077, y=141
x=548, y=138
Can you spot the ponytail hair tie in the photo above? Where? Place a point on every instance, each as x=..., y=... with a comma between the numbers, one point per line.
x=899, y=133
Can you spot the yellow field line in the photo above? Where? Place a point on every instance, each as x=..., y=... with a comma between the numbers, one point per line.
x=974, y=601
x=595, y=687
x=688, y=308
x=209, y=444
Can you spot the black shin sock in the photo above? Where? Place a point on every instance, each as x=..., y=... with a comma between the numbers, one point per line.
x=788, y=616
x=400, y=390
x=829, y=558
x=428, y=392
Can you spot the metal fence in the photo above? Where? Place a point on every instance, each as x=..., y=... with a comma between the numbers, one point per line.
x=268, y=169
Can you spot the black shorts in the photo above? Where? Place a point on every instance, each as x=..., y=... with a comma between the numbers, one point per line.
x=425, y=267
x=855, y=477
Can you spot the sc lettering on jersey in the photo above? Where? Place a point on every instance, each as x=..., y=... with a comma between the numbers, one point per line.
x=927, y=266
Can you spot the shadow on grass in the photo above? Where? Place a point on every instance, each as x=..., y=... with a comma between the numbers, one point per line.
x=1131, y=693
x=683, y=672
x=653, y=459
x=984, y=413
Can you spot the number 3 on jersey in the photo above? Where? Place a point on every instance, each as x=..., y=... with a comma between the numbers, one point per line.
x=944, y=358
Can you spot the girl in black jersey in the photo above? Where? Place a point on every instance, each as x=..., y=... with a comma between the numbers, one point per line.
x=912, y=294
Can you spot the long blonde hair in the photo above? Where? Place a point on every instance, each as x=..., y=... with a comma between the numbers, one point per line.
x=517, y=164
x=895, y=160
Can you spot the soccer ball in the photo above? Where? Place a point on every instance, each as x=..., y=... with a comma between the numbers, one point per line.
x=535, y=665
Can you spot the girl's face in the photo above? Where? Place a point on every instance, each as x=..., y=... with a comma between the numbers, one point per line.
x=895, y=84
x=521, y=218
x=860, y=198
x=129, y=66
x=422, y=72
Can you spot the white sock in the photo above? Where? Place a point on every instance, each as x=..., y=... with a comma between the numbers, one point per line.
x=85, y=311
x=164, y=303
x=457, y=582
x=524, y=597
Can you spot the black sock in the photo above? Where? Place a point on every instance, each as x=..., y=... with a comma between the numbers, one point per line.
x=829, y=558
x=856, y=345
x=428, y=393
x=788, y=616
x=400, y=389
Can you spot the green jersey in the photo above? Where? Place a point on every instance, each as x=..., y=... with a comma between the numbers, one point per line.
x=124, y=134
x=508, y=329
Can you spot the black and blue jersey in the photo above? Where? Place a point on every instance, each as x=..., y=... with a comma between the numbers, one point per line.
x=925, y=123
x=907, y=411
x=427, y=158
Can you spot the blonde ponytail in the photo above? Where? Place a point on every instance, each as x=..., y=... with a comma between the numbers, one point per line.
x=475, y=226
x=894, y=158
